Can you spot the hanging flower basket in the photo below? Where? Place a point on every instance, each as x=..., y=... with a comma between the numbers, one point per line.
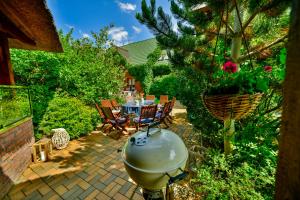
x=231, y=106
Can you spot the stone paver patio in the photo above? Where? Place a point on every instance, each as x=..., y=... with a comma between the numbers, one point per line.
x=89, y=168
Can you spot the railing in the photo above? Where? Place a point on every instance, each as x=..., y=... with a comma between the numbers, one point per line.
x=15, y=104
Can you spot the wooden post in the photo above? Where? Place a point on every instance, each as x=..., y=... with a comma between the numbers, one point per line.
x=228, y=135
x=237, y=38
x=288, y=171
x=6, y=71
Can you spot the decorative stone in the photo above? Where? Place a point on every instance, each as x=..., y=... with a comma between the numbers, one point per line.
x=60, y=138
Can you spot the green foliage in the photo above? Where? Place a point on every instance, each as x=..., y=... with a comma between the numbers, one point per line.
x=69, y=113
x=192, y=85
x=161, y=69
x=14, y=105
x=165, y=85
x=243, y=82
x=89, y=70
x=142, y=73
x=154, y=56
x=40, y=71
x=222, y=177
x=195, y=38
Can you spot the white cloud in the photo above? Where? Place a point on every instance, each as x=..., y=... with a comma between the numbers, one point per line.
x=127, y=7
x=119, y=35
x=69, y=26
x=136, y=29
x=86, y=35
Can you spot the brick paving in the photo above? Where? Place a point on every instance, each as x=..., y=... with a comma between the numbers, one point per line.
x=89, y=168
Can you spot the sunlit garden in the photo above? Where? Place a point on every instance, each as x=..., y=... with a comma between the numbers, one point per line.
x=192, y=112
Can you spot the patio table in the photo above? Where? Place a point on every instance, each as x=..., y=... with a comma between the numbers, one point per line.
x=133, y=107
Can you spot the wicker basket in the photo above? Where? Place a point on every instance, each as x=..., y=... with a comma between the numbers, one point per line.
x=231, y=106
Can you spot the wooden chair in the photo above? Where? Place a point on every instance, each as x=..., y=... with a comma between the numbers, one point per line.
x=161, y=115
x=168, y=114
x=163, y=99
x=104, y=119
x=106, y=103
x=115, y=104
x=147, y=116
x=150, y=97
x=117, y=122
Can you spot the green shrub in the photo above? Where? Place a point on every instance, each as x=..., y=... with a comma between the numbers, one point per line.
x=14, y=105
x=39, y=70
x=71, y=114
x=142, y=73
x=89, y=70
x=165, y=85
x=161, y=69
x=222, y=178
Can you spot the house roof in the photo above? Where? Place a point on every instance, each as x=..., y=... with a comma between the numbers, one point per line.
x=137, y=52
x=28, y=24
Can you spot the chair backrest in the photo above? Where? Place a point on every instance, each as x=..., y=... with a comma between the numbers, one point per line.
x=99, y=111
x=163, y=99
x=150, y=97
x=114, y=103
x=172, y=104
x=148, y=112
x=166, y=107
x=106, y=103
x=107, y=112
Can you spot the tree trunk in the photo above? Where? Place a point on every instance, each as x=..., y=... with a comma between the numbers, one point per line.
x=288, y=171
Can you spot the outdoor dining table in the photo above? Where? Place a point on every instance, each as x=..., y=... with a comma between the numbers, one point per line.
x=134, y=107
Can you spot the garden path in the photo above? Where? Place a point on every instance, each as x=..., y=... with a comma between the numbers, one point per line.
x=89, y=168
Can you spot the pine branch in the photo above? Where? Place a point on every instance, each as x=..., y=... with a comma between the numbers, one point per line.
x=260, y=10
x=165, y=19
x=279, y=105
x=243, y=57
x=228, y=26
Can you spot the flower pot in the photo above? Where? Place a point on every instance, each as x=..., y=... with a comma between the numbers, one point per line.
x=232, y=106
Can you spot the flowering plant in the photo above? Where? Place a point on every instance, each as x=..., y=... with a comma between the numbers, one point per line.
x=230, y=80
x=230, y=67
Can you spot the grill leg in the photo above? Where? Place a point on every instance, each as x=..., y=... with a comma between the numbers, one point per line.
x=153, y=194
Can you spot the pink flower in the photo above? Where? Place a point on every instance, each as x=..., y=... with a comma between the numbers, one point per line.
x=229, y=67
x=268, y=68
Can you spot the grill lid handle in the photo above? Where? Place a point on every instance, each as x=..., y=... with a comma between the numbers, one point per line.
x=151, y=125
x=179, y=177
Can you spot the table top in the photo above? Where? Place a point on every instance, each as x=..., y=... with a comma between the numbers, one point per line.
x=133, y=104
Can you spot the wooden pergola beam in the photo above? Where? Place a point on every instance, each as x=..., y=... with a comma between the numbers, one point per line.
x=10, y=30
x=6, y=71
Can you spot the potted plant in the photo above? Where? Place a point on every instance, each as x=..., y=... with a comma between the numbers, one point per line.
x=233, y=94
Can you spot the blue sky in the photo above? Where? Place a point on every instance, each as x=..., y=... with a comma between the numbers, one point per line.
x=92, y=15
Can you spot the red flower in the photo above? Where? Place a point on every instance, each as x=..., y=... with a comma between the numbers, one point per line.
x=230, y=67
x=268, y=68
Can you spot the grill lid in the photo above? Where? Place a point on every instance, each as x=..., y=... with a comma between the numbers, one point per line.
x=159, y=152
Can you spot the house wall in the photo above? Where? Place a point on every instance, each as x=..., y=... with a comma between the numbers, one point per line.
x=137, y=84
x=15, y=152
